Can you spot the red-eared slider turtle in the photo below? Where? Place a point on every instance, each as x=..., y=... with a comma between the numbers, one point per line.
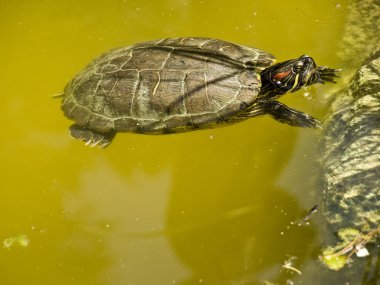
x=182, y=84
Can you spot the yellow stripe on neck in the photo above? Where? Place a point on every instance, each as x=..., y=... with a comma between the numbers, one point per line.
x=295, y=83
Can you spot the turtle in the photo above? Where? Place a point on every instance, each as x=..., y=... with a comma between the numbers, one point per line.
x=176, y=85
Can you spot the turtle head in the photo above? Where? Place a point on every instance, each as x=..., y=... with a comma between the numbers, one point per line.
x=291, y=75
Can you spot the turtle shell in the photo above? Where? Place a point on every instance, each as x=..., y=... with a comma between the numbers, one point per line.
x=168, y=85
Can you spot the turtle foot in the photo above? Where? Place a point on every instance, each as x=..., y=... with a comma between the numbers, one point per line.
x=287, y=115
x=90, y=137
x=327, y=74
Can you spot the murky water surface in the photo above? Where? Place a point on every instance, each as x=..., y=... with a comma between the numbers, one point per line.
x=208, y=207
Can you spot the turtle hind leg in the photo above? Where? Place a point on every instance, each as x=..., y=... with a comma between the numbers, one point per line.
x=92, y=138
x=287, y=115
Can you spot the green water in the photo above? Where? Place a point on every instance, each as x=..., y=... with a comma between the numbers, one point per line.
x=207, y=207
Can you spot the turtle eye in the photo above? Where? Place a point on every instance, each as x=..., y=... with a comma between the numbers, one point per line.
x=298, y=65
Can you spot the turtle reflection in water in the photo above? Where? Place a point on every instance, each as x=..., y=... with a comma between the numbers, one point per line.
x=182, y=84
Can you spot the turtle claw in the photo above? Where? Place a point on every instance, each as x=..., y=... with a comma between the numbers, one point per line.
x=327, y=74
x=95, y=143
x=314, y=123
x=104, y=145
x=90, y=137
x=318, y=125
x=87, y=143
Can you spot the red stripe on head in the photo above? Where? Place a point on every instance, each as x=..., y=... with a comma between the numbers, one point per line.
x=279, y=76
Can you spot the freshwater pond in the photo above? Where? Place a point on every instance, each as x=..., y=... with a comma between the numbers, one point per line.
x=214, y=206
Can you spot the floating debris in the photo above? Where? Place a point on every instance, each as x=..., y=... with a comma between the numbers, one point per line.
x=309, y=215
x=311, y=212
x=361, y=250
x=289, y=265
x=20, y=240
x=353, y=242
x=333, y=262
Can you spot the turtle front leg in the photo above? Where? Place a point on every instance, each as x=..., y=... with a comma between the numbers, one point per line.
x=92, y=138
x=284, y=114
